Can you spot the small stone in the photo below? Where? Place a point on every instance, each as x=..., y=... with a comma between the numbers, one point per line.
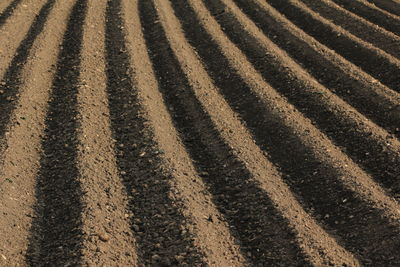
x=136, y=228
x=155, y=257
x=104, y=237
x=100, y=249
x=179, y=258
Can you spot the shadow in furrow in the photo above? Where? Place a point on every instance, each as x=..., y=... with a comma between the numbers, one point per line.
x=8, y=11
x=357, y=26
x=9, y=86
x=158, y=223
x=387, y=5
x=382, y=69
x=56, y=232
x=384, y=165
x=358, y=227
x=377, y=17
x=326, y=72
x=264, y=235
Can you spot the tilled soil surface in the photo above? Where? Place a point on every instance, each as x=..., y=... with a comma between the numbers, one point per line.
x=199, y=133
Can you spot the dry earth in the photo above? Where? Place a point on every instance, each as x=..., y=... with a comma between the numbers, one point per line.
x=199, y=133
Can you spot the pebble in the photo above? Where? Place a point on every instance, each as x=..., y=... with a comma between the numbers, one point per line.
x=104, y=237
x=155, y=257
x=179, y=258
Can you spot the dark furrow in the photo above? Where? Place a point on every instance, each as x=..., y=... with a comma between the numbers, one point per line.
x=364, y=31
x=264, y=235
x=358, y=227
x=388, y=5
x=56, y=232
x=158, y=223
x=326, y=72
x=382, y=163
x=8, y=11
x=379, y=18
x=369, y=61
x=9, y=86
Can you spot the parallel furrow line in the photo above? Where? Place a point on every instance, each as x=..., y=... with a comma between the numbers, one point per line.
x=214, y=239
x=10, y=39
x=6, y=9
x=358, y=26
x=372, y=13
x=284, y=132
x=343, y=78
x=388, y=5
x=344, y=125
x=251, y=216
x=4, y=5
x=159, y=225
x=9, y=86
x=107, y=237
x=21, y=158
x=240, y=141
x=56, y=235
x=376, y=62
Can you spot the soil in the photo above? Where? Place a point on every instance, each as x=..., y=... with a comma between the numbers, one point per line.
x=199, y=133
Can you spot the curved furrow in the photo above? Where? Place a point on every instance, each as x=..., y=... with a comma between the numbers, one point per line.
x=346, y=201
x=10, y=40
x=238, y=199
x=213, y=239
x=358, y=26
x=6, y=9
x=9, y=86
x=6, y=5
x=20, y=161
x=376, y=62
x=107, y=237
x=57, y=234
x=340, y=76
x=388, y=5
x=372, y=13
x=159, y=225
x=223, y=140
x=366, y=143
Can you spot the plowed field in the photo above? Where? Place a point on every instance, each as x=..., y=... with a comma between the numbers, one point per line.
x=199, y=133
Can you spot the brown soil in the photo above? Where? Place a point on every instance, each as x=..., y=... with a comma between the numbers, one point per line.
x=199, y=133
